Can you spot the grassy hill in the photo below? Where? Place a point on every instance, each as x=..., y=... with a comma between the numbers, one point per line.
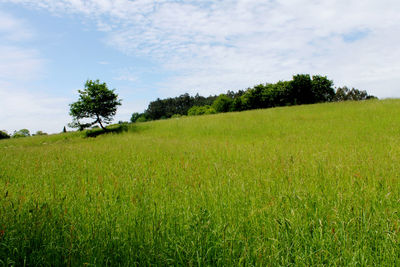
x=304, y=185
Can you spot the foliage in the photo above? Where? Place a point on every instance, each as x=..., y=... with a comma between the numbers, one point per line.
x=322, y=89
x=135, y=116
x=40, y=133
x=306, y=185
x=237, y=104
x=21, y=133
x=165, y=108
x=143, y=118
x=64, y=130
x=301, y=89
x=276, y=95
x=253, y=99
x=176, y=116
x=222, y=103
x=96, y=102
x=116, y=128
x=201, y=110
x=344, y=94
x=4, y=135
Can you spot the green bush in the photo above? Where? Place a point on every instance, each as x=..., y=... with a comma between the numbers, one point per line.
x=201, y=110
x=142, y=118
x=237, y=105
x=114, y=128
x=175, y=116
x=135, y=116
x=222, y=103
x=21, y=133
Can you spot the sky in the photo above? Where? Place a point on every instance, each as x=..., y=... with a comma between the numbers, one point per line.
x=147, y=49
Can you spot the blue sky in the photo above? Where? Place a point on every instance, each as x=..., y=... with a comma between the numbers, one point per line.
x=148, y=49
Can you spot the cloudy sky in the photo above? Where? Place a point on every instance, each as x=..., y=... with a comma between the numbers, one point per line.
x=147, y=49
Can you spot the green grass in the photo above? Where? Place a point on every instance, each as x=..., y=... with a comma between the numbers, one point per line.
x=305, y=185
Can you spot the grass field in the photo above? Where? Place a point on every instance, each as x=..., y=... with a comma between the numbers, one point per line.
x=304, y=185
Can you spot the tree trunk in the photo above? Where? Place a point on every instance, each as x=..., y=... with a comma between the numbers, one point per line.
x=99, y=121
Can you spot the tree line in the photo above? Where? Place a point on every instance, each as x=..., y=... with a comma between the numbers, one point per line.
x=99, y=104
x=17, y=134
x=302, y=89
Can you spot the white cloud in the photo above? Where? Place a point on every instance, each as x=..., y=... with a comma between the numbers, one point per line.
x=12, y=29
x=218, y=45
x=32, y=110
x=19, y=64
x=126, y=74
x=22, y=105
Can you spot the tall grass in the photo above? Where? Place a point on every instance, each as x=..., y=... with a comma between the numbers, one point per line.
x=304, y=185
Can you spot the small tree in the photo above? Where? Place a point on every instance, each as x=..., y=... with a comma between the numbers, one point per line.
x=96, y=102
x=21, y=133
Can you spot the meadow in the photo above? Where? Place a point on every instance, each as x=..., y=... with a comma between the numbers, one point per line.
x=302, y=185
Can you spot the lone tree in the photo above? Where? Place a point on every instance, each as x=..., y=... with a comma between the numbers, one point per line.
x=96, y=102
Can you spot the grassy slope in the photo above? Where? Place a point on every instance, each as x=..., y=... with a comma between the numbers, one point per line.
x=303, y=185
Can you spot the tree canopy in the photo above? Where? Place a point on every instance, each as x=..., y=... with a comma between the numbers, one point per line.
x=302, y=89
x=96, y=102
x=4, y=135
x=21, y=133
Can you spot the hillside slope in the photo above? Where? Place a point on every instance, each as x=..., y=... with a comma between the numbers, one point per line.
x=304, y=185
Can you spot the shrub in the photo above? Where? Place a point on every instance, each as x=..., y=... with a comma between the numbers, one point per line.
x=4, y=135
x=135, y=116
x=175, y=116
x=114, y=128
x=40, y=133
x=237, y=104
x=222, y=103
x=142, y=118
x=21, y=133
x=201, y=110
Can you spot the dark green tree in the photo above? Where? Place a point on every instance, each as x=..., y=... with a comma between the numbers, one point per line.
x=301, y=89
x=96, y=102
x=4, y=135
x=322, y=89
x=237, y=104
x=252, y=98
x=222, y=103
x=135, y=116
